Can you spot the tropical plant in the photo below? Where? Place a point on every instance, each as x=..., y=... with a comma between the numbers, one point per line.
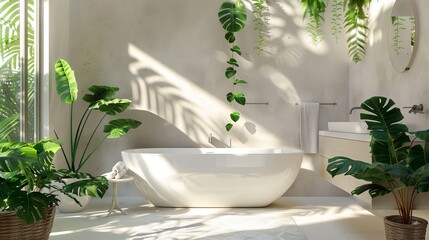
x=100, y=99
x=232, y=16
x=400, y=166
x=26, y=172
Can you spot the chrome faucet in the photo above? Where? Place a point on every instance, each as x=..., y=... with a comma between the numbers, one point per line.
x=211, y=138
x=354, y=108
x=416, y=109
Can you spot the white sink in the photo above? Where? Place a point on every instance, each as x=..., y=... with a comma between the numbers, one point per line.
x=350, y=127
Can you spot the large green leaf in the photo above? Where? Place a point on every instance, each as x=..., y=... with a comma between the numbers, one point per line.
x=232, y=16
x=111, y=107
x=424, y=135
x=358, y=169
x=66, y=81
x=374, y=190
x=119, y=127
x=100, y=93
x=389, y=140
x=29, y=207
x=93, y=186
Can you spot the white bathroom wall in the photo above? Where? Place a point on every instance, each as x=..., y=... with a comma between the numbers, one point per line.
x=375, y=75
x=169, y=58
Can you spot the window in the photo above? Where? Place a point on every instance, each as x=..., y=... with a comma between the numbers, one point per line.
x=18, y=82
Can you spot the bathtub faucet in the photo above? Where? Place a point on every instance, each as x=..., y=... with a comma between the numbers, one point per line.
x=354, y=108
x=211, y=138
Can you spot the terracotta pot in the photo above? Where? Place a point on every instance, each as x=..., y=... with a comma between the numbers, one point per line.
x=396, y=230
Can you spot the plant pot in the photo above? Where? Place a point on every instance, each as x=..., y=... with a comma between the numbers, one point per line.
x=13, y=228
x=396, y=230
x=67, y=204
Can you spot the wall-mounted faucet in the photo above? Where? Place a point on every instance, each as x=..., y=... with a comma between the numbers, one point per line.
x=416, y=109
x=354, y=108
x=211, y=138
x=216, y=143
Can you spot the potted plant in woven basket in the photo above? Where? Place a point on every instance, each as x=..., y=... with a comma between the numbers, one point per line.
x=400, y=166
x=27, y=189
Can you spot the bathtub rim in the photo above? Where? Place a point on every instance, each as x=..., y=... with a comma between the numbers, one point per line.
x=214, y=151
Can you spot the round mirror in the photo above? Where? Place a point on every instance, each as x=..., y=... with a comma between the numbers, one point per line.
x=403, y=34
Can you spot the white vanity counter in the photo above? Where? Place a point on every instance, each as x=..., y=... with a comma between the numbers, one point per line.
x=363, y=137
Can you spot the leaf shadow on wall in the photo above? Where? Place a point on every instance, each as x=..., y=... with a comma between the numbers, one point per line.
x=183, y=110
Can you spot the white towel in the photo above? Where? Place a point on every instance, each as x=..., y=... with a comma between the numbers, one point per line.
x=110, y=175
x=309, y=127
x=118, y=166
x=121, y=173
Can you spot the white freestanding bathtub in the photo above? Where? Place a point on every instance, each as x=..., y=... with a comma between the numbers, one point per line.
x=212, y=177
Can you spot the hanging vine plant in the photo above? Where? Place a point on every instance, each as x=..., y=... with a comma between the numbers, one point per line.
x=260, y=22
x=232, y=16
x=355, y=23
x=313, y=12
x=337, y=18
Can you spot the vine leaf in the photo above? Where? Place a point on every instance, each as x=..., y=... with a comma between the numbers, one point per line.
x=229, y=126
x=230, y=97
x=235, y=116
x=315, y=30
x=315, y=8
x=229, y=36
x=236, y=49
x=230, y=72
x=337, y=18
x=232, y=16
x=233, y=62
x=260, y=23
x=355, y=23
x=240, y=98
x=238, y=81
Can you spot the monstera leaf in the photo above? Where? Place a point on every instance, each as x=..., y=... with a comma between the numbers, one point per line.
x=29, y=207
x=93, y=186
x=100, y=93
x=119, y=127
x=389, y=140
x=66, y=81
x=232, y=16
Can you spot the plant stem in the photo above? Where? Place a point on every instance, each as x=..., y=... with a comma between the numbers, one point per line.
x=76, y=137
x=62, y=150
x=72, y=153
x=92, y=152
x=87, y=144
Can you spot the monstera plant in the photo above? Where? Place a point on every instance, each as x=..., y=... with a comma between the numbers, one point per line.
x=400, y=159
x=26, y=175
x=100, y=99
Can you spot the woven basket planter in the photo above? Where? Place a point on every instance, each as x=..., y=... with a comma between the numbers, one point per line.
x=396, y=230
x=13, y=228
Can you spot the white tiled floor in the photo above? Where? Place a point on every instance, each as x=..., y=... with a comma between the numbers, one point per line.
x=315, y=218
